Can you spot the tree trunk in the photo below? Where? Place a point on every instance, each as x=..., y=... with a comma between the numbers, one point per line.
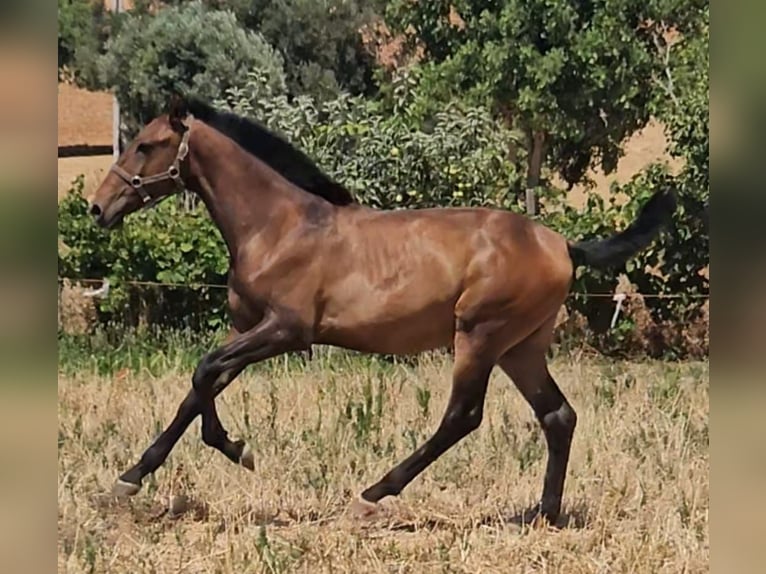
x=513, y=157
x=534, y=165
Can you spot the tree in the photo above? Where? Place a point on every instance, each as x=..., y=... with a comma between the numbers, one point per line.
x=676, y=264
x=576, y=77
x=320, y=42
x=189, y=48
x=83, y=28
x=682, y=103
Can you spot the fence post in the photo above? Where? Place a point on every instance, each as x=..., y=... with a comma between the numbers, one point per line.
x=117, y=8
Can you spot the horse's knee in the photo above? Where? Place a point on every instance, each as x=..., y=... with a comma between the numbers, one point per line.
x=559, y=425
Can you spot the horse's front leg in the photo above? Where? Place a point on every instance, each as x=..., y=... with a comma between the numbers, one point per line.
x=274, y=335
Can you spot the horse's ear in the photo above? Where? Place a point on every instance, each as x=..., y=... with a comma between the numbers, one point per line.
x=178, y=109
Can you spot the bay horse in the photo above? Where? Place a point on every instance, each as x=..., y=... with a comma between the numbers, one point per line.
x=310, y=265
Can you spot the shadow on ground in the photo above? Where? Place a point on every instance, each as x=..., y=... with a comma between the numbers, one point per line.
x=387, y=518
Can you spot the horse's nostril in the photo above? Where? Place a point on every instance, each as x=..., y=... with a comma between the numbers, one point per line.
x=95, y=210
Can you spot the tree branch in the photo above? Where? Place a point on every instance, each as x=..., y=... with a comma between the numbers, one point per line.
x=663, y=47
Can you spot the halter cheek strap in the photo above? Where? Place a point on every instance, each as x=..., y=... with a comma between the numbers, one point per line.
x=173, y=173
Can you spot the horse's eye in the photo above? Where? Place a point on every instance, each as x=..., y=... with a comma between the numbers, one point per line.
x=144, y=147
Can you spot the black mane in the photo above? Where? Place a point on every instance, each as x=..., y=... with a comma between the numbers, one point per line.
x=280, y=155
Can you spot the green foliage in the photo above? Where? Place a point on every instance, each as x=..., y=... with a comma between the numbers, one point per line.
x=74, y=26
x=187, y=47
x=669, y=267
x=110, y=348
x=683, y=100
x=364, y=416
x=167, y=244
x=388, y=160
x=320, y=42
x=579, y=73
x=83, y=27
x=672, y=265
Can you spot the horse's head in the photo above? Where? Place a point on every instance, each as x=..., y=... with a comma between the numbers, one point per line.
x=149, y=170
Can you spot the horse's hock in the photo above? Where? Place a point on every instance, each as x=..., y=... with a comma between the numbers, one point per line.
x=76, y=311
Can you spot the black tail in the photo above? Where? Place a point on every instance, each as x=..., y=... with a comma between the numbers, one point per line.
x=616, y=250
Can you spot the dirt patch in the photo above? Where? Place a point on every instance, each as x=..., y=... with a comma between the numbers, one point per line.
x=84, y=117
x=94, y=169
x=643, y=148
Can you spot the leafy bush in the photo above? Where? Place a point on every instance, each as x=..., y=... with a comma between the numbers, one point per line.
x=387, y=160
x=188, y=48
x=682, y=100
x=167, y=244
x=672, y=267
x=320, y=42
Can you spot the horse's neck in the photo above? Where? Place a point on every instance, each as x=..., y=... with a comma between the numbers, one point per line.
x=238, y=191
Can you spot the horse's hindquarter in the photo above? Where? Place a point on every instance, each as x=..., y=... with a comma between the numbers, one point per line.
x=392, y=279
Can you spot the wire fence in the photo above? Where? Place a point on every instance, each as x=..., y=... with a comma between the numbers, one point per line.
x=166, y=285
x=176, y=304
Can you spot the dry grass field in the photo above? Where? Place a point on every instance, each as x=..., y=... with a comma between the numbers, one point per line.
x=636, y=499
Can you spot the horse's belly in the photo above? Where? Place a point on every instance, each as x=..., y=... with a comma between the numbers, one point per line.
x=398, y=329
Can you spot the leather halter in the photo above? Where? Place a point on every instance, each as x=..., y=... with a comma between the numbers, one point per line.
x=139, y=182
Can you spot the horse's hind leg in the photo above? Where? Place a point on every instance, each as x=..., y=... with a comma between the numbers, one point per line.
x=462, y=416
x=526, y=365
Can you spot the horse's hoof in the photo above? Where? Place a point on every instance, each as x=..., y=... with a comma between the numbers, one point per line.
x=123, y=488
x=363, y=509
x=247, y=458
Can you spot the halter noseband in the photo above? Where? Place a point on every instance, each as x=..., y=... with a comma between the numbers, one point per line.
x=173, y=173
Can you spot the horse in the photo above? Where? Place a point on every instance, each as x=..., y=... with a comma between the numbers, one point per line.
x=310, y=265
